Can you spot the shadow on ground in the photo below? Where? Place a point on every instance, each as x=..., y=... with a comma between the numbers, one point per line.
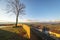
x=7, y=35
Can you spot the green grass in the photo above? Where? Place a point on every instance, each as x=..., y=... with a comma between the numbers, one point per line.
x=10, y=33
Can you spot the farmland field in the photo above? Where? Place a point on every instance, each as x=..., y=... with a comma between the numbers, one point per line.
x=23, y=32
x=54, y=28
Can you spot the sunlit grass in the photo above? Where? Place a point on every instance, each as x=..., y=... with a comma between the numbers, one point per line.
x=27, y=28
x=22, y=31
x=55, y=34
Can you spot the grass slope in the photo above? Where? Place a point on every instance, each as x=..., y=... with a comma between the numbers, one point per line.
x=10, y=33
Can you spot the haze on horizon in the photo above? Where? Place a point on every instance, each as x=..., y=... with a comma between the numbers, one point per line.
x=36, y=10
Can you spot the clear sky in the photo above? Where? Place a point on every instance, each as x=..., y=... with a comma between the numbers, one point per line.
x=38, y=10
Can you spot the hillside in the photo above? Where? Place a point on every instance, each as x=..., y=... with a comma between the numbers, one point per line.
x=11, y=33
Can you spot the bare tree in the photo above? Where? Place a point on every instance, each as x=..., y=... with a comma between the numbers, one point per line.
x=15, y=6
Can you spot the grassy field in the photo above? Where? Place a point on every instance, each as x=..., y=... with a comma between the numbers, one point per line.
x=54, y=29
x=11, y=33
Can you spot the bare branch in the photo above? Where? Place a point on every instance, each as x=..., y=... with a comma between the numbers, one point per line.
x=16, y=7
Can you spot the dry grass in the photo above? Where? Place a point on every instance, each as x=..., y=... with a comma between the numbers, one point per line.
x=27, y=28
x=9, y=33
x=53, y=28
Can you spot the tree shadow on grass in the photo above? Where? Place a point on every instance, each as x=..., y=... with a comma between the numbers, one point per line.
x=7, y=35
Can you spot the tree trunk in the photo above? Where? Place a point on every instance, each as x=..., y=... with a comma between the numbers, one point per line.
x=17, y=19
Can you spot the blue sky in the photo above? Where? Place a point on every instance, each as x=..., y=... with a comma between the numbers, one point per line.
x=40, y=10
